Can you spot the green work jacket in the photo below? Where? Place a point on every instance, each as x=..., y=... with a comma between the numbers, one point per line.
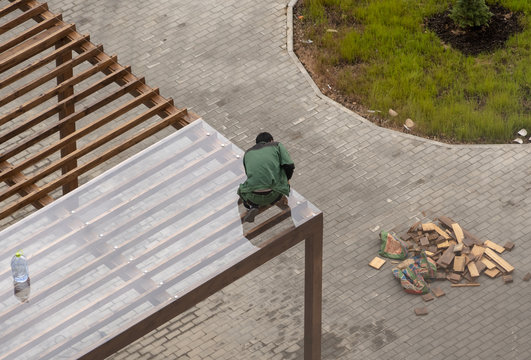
x=263, y=166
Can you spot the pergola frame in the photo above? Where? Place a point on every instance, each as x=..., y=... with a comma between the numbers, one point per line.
x=51, y=31
x=312, y=234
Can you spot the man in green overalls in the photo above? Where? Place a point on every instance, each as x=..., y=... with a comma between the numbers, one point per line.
x=268, y=167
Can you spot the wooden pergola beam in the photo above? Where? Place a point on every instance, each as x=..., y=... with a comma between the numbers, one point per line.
x=65, y=89
x=52, y=31
x=28, y=199
x=73, y=117
x=18, y=177
x=34, y=45
x=78, y=134
x=127, y=183
x=76, y=154
x=313, y=291
x=23, y=17
x=15, y=5
x=189, y=117
x=58, y=71
x=42, y=61
x=66, y=85
x=273, y=248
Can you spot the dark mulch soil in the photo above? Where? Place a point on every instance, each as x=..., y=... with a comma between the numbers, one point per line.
x=476, y=40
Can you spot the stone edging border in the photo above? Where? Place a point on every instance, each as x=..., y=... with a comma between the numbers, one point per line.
x=289, y=40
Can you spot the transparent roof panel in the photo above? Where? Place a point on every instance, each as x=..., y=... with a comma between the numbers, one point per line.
x=127, y=243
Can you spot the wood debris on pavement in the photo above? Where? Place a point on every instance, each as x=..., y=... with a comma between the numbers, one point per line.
x=377, y=263
x=461, y=257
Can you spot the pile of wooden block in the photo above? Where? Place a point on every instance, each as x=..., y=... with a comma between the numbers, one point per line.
x=461, y=257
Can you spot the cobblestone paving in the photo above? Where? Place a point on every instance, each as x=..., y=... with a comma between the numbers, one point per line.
x=228, y=61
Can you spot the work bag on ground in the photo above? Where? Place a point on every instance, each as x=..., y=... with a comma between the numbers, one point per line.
x=412, y=273
x=410, y=276
x=392, y=247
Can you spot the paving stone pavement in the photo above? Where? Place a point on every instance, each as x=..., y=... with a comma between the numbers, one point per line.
x=228, y=61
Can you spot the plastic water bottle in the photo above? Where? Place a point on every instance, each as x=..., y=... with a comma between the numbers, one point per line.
x=19, y=267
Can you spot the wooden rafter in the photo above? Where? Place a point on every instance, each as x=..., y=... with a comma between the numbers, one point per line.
x=30, y=117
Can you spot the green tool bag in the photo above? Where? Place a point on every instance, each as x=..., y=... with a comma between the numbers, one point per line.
x=392, y=247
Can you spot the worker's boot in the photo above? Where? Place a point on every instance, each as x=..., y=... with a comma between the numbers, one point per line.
x=283, y=203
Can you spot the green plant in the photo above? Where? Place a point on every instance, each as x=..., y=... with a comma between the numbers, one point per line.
x=383, y=57
x=468, y=13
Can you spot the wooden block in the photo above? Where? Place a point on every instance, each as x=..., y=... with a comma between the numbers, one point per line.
x=414, y=227
x=443, y=245
x=421, y=311
x=468, y=242
x=437, y=291
x=440, y=239
x=429, y=253
x=469, y=239
x=509, y=245
x=465, y=285
x=441, y=232
x=527, y=277
x=440, y=276
x=446, y=221
x=458, y=247
x=458, y=233
x=433, y=248
x=492, y=272
x=427, y=297
x=494, y=246
x=433, y=236
x=477, y=251
x=473, y=269
x=406, y=236
x=507, y=279
x=480, y=266
x=428, y=227
x=498, y=260
x=453, y=277
x=446, y=257
x=489, y=264
x=459, y=263
x=424, y=241
x=377, y=263
x=466, y=250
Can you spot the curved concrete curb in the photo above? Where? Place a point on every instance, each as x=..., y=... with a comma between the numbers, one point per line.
x=289, y=39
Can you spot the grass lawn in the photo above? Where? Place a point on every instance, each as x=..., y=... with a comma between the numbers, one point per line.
x=381, y=54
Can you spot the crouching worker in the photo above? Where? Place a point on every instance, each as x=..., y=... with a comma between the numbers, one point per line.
x=268, y=167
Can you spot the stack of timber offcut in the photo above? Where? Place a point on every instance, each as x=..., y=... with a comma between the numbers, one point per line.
x=461, y=257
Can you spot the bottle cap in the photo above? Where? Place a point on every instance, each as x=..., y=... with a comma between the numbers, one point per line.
x=19, y=253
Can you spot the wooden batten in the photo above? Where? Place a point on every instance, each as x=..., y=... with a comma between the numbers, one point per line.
x=33, y=46
x=42, y=134
x=42, y=61
x=499, y=260
x=50, y=31
x=15, y=5
x=23, y=18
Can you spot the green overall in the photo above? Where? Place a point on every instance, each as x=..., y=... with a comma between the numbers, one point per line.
x=263, y=166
